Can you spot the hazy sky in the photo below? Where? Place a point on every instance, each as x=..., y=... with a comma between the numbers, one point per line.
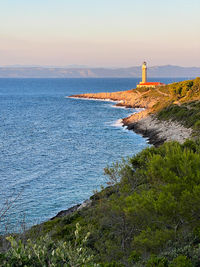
x=100, y=32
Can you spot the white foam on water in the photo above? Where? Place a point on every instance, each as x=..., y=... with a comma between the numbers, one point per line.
x=114, y=106
x=117, y=123
x=139, y=109
x=92, y=99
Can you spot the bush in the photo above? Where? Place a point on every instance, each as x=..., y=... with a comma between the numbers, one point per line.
x=181, y=261
x=44, y=252
x=197, y=125
x=155, y=261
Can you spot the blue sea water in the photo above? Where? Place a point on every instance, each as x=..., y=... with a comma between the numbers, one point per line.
x=53, y=149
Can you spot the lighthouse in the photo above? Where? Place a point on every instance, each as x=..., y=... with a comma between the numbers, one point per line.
x=144, y=72
x=144, y=82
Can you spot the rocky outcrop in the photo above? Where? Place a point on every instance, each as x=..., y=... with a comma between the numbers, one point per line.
x=136, y=117
x=63, y=213
x=86, y=204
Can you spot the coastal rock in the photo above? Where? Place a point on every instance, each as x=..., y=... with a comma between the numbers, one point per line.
x=86, y=204
x=158, y=131
x=136, y=117
x=63, y=213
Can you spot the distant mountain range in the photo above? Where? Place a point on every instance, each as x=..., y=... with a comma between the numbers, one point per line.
x=75, y=71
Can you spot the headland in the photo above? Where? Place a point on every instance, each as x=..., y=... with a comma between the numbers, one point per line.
x=147, y=122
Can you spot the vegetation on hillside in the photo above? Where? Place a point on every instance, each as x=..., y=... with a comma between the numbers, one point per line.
x=186, y=90
x=149, y=216
x=186, y=108
x=188, y=114
x=183, y=91
x=173, y=94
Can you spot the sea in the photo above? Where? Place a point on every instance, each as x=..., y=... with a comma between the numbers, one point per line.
x=53, y=149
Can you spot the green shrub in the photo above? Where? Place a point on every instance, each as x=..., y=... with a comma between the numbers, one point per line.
x=155, y=261
x=197, y=125
x=181, y=261
x=44, y=252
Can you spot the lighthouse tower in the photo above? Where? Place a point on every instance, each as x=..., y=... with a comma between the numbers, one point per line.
x=144, y=72
x=144, y=82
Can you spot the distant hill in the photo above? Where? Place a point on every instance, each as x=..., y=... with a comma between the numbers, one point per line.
x=18, y=71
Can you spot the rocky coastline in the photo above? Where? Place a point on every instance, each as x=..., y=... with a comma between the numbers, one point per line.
x=157, y=132
x=144, y=122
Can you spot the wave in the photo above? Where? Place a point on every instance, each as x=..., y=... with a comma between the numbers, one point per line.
x=123, y=107
x=117, y=123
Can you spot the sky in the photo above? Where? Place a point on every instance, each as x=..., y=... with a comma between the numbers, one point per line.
x=100, y=33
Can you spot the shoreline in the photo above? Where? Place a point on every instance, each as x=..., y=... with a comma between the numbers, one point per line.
x=144, y=123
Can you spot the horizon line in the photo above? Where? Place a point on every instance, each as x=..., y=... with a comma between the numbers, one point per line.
x=77, y=66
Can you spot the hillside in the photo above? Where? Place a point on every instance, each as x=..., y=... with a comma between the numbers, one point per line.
x=148, y=216
x=87, y=72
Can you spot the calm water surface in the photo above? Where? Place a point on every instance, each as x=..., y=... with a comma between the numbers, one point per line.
x=54, y=148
